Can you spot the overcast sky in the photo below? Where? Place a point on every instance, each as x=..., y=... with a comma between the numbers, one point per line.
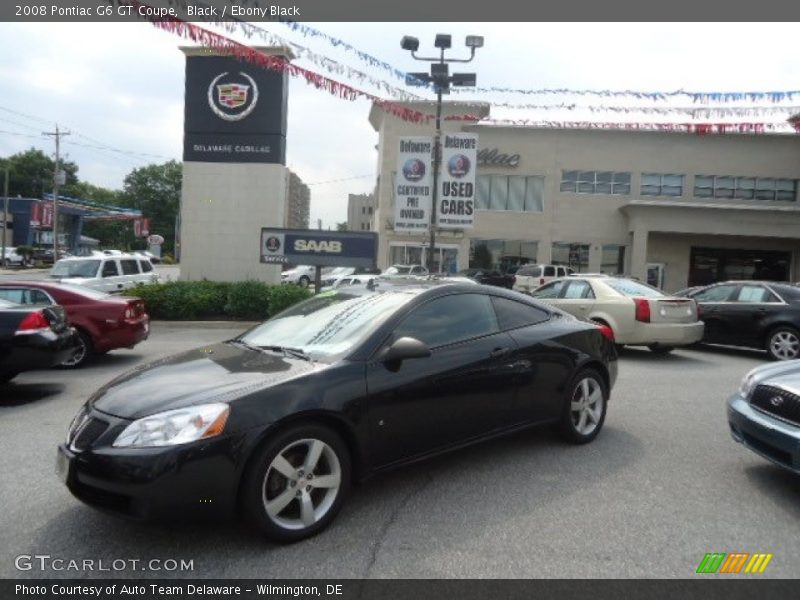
x=121, y=85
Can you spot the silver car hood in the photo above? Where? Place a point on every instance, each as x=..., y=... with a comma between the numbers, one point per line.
x=781, y=374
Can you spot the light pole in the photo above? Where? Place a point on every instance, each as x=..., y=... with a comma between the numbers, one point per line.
x=441, y=79
x=5, y=214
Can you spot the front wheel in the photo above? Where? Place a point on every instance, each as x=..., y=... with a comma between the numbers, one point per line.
x=783, y=343
x=585, y=408
x=297, y=483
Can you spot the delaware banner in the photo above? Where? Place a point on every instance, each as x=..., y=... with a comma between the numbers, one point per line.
x=413, y=192
x=456, y=201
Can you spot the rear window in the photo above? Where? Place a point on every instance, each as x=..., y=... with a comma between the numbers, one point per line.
x=513, y=315
x=630, y=288
x=110, y=269
x=549, y=271
x=129, y=267
x=530, y=271
x=146, y=266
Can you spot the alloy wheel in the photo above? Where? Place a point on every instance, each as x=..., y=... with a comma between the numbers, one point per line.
x=586, y=407
x=80, y=354
x=301, y=484
x=784, y=345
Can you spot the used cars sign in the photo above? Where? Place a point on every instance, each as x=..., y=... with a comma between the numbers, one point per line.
x=315, y=247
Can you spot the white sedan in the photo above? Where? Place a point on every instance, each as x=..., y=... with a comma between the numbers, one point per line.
x=638, y=315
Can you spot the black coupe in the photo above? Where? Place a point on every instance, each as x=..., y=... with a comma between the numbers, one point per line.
x=278, y=422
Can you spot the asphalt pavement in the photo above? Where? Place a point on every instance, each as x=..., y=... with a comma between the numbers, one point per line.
x=662, y=485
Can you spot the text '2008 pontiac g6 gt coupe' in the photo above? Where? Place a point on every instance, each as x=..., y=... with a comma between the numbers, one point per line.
x=278, y=422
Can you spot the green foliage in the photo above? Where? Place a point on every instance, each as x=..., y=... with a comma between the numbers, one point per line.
x=167, y=259
x=31, y=174
x=248, y=300
x=283, y=296
x=156, y=191
x=188, y=300
x=25, y=251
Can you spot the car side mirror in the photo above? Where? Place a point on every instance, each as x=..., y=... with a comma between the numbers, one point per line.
x=405, y=348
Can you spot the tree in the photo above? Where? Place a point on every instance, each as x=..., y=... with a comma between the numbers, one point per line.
x=31, y=174
x=110, y=233
x=156, y=191
x=341, y=226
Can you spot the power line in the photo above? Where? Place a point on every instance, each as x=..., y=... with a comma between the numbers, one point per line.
x=345, y=179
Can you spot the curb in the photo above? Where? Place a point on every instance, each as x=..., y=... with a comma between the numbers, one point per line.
x=242, y=325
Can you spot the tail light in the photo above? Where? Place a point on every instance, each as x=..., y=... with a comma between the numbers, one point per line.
x=607, y=332
x=642, y=309
x=34, y=322
x=133, y=310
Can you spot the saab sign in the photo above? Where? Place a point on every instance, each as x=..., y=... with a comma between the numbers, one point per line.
x=320, y=248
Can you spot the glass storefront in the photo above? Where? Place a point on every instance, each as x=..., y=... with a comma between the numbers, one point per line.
x=613, y=259
x=445, y=258
x=501, y=255
x=709, y=265
x=572, y=255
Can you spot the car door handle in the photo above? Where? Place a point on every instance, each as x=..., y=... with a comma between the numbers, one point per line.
x=499, y=352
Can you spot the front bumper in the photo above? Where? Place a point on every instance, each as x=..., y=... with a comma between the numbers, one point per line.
x=199, y=479
x=767, y=436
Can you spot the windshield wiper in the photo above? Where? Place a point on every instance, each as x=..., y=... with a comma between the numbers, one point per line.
x=287, y=351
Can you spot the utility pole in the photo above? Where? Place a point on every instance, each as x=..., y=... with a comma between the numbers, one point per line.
x=5, y=215
x=59, y=178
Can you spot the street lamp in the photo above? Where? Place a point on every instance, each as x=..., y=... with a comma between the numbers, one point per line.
x=442, y=80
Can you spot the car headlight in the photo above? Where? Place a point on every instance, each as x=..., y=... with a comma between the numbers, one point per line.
x=747, y=385
x=174, y=427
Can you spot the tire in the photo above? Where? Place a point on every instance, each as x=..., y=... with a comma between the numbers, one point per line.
x=658, y=349
x=304, y=282
x=783, y=343
x=276, y=477
x=575, y=426
x=82, y=354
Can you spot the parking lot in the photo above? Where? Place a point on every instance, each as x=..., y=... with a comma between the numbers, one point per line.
x=662, y=485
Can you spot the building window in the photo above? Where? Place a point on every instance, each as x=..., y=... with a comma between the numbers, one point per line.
x=745, y=188
x=658, y=184
x=501, y=255
x=596, y=182
x=572, y=255
x=613, y=259
x=363, y=210
x=515, y=193
x=369, y=210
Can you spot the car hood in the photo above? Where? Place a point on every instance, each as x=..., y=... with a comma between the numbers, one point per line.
x=216, y=373
x=782, y=374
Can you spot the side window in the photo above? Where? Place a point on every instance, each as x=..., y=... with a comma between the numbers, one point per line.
x=718, y=293
x=39, y=297
x=450, y=319
x=146, y=266
x=549, y=271
x=346, y=281
x=15, y=296
x=579, y=289
x=561, y=271
x=754, y=294
x=110, y=268
x=512, y=314
x=551, y=290
x=129, y=267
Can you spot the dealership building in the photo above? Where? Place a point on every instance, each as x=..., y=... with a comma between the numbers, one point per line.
x=676, y=209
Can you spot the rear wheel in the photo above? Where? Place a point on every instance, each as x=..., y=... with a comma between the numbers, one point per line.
x=585, y=407
x=659, y=349
x=297, y=483
x=783, y=343
x=82, y=353
x=304, y=281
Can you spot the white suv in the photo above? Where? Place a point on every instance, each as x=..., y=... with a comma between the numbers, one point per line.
x=105, y=273
x=529, y=277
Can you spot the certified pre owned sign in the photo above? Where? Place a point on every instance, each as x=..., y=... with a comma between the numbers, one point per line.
x=232, y=98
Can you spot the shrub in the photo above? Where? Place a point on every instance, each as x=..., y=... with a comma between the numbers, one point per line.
x=186, y=300
x=283, y=296
x=248, y=300
x=167, y=260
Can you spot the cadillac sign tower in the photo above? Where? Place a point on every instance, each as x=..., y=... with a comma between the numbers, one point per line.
x=234, y=173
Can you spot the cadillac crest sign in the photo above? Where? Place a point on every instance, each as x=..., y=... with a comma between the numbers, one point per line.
x=233, y=100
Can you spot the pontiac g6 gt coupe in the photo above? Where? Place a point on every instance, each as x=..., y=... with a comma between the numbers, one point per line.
x=277, y=423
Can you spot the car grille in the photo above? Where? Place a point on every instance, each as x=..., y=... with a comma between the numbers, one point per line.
x=777, y=402
x=86, y=432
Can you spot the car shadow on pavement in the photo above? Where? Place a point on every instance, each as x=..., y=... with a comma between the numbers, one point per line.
x=120, y=359
x=20, y=394
x=731, y=351
x=645, y=355
x=780, y=485
x=387, y=510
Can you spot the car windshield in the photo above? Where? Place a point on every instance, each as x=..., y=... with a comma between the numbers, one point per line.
x=329, y=325
x=628, y=287
x=75, y=268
